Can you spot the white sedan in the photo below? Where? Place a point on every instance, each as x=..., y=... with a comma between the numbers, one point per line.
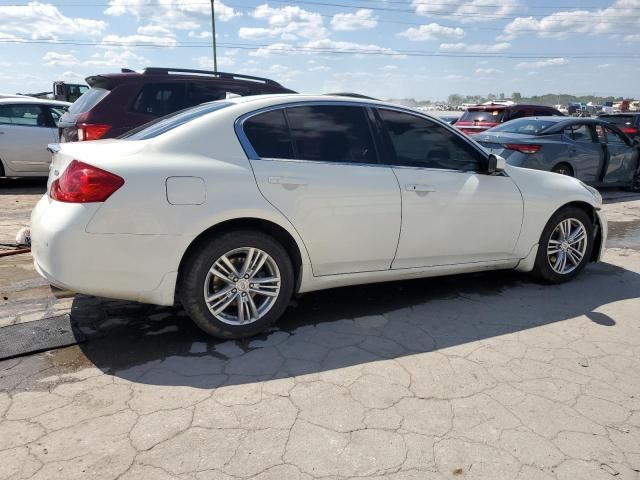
x=231, y=207
x=27, y=125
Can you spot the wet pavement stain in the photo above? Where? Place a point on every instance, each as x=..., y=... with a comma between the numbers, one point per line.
x=624, y=235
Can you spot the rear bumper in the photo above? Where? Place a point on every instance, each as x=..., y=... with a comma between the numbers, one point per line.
x=124, y=266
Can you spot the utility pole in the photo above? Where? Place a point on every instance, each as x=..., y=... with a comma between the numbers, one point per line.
x=213, y=34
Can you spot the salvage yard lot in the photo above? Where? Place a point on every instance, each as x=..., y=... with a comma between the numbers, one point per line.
x=484, y=376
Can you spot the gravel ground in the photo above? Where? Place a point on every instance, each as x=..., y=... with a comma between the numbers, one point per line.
x=484, y=376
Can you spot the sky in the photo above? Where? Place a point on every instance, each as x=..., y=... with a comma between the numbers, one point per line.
x=419, y=49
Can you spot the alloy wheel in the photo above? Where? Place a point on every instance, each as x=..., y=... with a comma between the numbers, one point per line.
x=242, y=286
x=567, y=246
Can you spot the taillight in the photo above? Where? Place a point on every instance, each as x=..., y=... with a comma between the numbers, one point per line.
x=523, y=147
x=630, y=130
x=83, y=183
x=92, y=131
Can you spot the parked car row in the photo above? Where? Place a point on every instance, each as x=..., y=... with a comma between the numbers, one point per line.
x=119, y=102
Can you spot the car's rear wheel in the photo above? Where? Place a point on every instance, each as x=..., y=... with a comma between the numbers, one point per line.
x=565, y=246
x=563, y=169
x=1, y=169
x=237, y=284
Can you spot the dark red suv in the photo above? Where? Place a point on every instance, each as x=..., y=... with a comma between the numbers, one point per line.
x=119, y=102
x=482, y=117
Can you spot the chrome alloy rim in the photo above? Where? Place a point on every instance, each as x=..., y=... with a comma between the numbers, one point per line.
x=567, y=246
x=242, y=286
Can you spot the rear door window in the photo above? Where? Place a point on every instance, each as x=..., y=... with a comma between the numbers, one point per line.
x=25, y=115
x=269, y=135
x=331, y=133
x=160, y=99
x=88, y=100
x=579, y=133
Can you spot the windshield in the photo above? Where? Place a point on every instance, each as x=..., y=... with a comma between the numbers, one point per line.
x=88, y=100
x=491, y=116
x=525, y=126
x=173, y=120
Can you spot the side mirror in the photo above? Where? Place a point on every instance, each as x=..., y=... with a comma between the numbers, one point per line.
x=496, y=164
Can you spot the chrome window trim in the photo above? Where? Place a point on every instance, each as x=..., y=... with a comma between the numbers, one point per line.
x=252, y=154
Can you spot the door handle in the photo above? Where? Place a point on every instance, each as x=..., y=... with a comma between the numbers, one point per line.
x=417, y=187
x=287, y=181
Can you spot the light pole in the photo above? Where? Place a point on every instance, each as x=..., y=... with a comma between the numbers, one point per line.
x=213, y=34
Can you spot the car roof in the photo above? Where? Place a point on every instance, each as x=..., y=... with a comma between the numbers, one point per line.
x=303, y=97
x=32, y=100
x=499, y=106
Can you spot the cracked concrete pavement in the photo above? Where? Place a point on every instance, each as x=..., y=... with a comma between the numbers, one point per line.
x=487, y=376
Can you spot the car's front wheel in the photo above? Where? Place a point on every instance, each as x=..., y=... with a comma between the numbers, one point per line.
x=565, y=246
x=237, y=284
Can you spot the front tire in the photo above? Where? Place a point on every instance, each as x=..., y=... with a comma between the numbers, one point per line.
x=565, y=246
x=237, y=284
x=563, y=169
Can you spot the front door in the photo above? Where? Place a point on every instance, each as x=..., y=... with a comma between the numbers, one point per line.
x=622, y=159
x=25, y=131
x=317, y=164
x=452, y=212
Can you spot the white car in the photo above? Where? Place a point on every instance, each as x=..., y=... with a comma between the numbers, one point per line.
x=231, y=207
x=27, y=126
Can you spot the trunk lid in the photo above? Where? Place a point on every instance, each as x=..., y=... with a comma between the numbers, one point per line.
x=494, y=142
x=98, y=153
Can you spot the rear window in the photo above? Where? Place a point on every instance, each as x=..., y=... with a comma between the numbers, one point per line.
x=164, y=124
x=491, y=116
x=525, y=126
x=622, y=120
x=88, y=100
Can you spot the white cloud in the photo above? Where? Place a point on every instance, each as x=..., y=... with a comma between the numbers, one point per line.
x=203, y=34
x=558, y=24
x=469, y=11
x=172, y=14
x=155, y=30
x=632, y=38
x=289, y=23
x=42, y=21
x=475, y=47
x=134, y=39
x=362, y=19
x=110, y=58
x=487, y=71
x=432, y=31
x=390, y=67
x=207, y=61
x=316, y=47
x=454, y=76
x=550, y=62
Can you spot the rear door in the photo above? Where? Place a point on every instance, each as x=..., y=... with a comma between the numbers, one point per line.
x=25, y=131
x=585, y=152
x=622, y=159
x=318, y=165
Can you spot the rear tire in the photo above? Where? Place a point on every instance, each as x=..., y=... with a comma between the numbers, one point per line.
x=1, y=169
x=563, y=169
x=565, y=246
x=250, y=289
